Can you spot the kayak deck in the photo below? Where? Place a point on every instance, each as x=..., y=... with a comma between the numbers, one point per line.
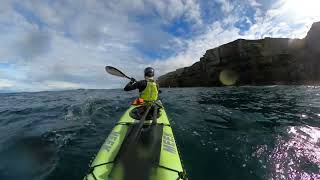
x=153, y=156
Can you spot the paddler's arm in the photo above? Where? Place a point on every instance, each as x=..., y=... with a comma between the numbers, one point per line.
x=133, y=84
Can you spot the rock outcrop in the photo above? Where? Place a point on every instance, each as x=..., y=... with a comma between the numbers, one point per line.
x=254, y=62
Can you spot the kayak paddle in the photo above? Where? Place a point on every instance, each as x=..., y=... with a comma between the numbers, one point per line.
x=116, y=72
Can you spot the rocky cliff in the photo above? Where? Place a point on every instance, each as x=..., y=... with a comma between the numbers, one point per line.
x=254, y=62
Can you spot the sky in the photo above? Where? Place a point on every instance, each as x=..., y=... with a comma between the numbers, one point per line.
x=65, y=44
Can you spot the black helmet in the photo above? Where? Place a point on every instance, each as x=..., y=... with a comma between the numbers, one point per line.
x=149, y=72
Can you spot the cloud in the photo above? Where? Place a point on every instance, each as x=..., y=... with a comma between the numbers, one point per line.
x=226, y=6
x=61, y=85
x=5, y=83
x=33, y=44
x=254, y=3
x=47, y=45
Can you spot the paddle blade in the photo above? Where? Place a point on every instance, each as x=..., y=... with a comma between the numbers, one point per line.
x=115, y=72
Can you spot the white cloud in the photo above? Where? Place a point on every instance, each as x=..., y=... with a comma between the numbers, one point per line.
x=254, y=3
x=226, y=6
x=283, y=21
x=230, y=20
x=61, y=85
x=170, y=10
x=193, y=13
x=5, y=83
x=70, y=50
x=76, y=39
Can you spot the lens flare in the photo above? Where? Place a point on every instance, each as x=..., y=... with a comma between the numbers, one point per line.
x=228, y=77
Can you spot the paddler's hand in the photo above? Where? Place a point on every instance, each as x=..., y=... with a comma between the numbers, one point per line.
x=132, y=80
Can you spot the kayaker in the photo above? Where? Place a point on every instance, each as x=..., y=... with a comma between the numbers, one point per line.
x=148, y=88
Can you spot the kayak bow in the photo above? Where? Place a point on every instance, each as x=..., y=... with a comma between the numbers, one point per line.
x=151, y=155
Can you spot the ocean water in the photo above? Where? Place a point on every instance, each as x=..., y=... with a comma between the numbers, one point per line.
x=270, y=132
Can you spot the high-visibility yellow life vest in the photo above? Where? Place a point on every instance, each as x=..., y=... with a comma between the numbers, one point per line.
x=150, y=93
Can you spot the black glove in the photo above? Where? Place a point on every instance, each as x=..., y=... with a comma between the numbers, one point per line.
x=132, y=80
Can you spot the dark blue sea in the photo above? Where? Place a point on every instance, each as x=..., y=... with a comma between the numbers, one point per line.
x=230, y=133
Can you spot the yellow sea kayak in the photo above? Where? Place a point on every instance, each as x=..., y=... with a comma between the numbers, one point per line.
x=139, y=149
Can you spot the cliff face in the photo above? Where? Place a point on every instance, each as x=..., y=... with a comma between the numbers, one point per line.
x=254, y=62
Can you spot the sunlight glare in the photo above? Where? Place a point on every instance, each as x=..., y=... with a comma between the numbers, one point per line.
x=305, y=8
